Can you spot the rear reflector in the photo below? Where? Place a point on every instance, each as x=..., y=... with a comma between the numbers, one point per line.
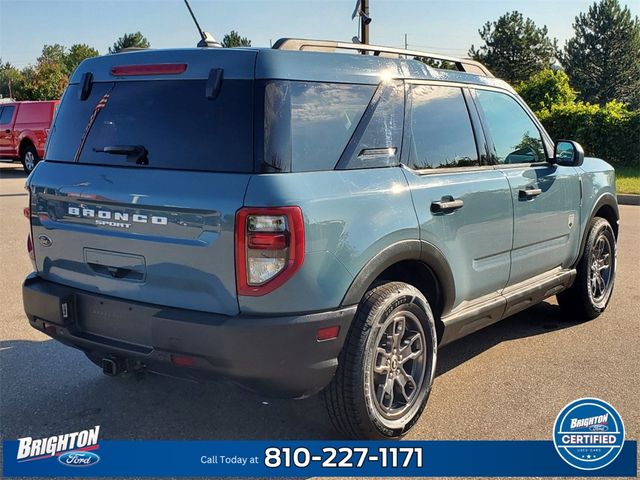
x=183, y=361
x=328, y=333
x=153, y=69
x=26, y=211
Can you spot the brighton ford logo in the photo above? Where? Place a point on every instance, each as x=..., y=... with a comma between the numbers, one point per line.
x=588, y=434
x=72, y=449
x=78, y=459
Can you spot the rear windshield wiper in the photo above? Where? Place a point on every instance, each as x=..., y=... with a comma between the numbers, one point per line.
x=135, y=153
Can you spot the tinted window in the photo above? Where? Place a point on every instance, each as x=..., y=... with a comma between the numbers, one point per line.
x=6, y=115
x=377, y=140
x=441, y=131
x=173, y=120
x=307, y=125
x=515, y=136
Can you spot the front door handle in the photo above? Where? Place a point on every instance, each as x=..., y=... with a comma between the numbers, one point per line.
x=529, y=193
x=446, y=205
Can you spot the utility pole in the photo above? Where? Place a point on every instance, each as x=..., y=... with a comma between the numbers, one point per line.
x=364, y=21
x=406, y=45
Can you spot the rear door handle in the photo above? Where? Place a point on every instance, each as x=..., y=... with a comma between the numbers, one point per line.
x=529, y=193
x=446, y=205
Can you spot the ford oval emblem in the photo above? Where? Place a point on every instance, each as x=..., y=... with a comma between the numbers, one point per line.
x=78, y=459
x=45, y=241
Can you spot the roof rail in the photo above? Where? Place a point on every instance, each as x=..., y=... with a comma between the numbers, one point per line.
x=461, y=64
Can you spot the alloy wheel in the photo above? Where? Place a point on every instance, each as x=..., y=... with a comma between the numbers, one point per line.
x=600, y=268
x=29, y=161
x=398, y=365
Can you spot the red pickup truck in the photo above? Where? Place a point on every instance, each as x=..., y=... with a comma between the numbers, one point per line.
x=24, y=127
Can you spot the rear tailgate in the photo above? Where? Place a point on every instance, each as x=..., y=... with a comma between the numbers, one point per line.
x=159, y=230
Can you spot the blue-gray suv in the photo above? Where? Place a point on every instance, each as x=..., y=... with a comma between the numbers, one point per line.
x=301, y=220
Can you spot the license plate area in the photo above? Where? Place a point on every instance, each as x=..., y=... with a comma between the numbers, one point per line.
x=116, y=320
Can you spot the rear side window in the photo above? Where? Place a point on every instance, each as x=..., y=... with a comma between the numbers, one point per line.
x=6, y=115
x=515, y=136
x=174, y=121
x=377, y=140
x=441, y=131
x=307, y=124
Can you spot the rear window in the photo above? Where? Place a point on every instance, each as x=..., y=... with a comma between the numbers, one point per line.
x=175, y=122
x=307, y=125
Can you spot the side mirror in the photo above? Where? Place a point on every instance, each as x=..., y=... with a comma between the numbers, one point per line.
x=568, y=153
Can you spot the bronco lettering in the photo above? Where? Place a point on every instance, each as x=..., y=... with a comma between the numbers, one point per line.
x=105, y=215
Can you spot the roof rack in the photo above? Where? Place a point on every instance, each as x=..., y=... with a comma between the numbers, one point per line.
x=461, y=64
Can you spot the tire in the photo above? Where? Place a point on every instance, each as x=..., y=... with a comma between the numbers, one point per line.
x=366, y=396
x=589, y=295
x=29, y=157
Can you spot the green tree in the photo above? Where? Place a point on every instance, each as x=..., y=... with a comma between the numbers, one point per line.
x=45, y=81
x=233, y=39
x=130, y=40
x=52, y=54
x=546, y=88
x=514, y=48
x=603, y=58
x=11, y=81
x=76, y=54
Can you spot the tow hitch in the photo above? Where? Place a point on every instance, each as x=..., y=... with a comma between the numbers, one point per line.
x=113, y=366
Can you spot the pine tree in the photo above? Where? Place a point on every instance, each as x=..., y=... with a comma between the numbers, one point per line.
x=130, y=40
x=603, y=58
x=514, y=48
x=233, y=39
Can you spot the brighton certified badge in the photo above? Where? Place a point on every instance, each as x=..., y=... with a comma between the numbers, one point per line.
x=588, y=434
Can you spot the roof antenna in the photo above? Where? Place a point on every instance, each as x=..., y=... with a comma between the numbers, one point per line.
x=207, y=39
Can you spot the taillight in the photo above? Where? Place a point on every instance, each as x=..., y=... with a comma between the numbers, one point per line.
x=269, y=248
x=26, y=211
x=32, y=254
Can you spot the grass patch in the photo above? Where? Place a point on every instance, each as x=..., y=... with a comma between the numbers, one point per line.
x=628, y=180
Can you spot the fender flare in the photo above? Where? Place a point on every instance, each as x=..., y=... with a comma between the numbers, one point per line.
x=607, y=199
x=418, y=250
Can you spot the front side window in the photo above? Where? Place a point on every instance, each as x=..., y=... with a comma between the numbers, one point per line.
x=515, y=136
x=441, y=131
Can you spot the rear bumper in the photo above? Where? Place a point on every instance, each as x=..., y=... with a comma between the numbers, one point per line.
x=276, y=356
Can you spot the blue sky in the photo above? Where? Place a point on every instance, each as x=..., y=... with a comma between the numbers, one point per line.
x=444, y=26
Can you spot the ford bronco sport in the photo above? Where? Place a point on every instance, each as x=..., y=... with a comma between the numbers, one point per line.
x=299, y=220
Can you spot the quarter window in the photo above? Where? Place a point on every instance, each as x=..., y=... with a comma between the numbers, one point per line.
x=376, y=142
x=307, y=124
x=515, y=137
x=441, y=131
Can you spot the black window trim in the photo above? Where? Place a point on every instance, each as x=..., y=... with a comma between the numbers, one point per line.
x=546, y=139
x=475, y=125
